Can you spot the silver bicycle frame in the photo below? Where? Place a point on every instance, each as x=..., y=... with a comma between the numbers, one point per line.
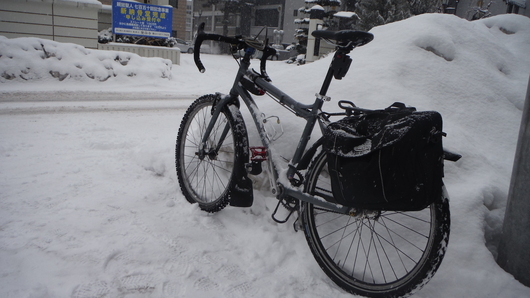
x=282, y=186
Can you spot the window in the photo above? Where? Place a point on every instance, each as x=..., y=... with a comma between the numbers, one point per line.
x=267, y=17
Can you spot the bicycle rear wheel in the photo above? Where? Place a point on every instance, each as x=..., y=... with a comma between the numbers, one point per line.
x=376, y=254
x=206, y=171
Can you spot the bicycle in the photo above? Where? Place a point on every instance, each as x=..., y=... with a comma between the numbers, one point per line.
x=366, y=252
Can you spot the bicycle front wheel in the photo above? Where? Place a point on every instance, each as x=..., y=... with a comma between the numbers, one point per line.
x=206, y=170
x=376, y=254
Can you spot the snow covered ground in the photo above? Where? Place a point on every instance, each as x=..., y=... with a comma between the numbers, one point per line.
x=89, y=201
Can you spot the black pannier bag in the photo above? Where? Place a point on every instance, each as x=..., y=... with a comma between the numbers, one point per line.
x=389, y=159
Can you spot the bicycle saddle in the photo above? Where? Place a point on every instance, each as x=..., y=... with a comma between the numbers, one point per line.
x=345, y=37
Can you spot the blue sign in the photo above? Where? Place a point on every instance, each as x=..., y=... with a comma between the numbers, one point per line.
x=133, y=18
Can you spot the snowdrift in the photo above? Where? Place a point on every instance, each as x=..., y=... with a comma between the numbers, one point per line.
x=34, y=59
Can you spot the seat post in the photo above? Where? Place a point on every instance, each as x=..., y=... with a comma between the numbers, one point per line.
x=327, y=82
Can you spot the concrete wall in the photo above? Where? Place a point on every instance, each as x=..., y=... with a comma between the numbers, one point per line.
x=289, y=27
x=59, y=20
x=105, y=17
x=172, y=54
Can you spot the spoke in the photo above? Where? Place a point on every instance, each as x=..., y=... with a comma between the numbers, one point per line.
x=341, y=238
x=351, y=245
x=206, y=180
x=391, y=243
x=386, y=254
x=219, y=178
x=367, y=255
x=387, y=214
x=372, y=241
x=194, y=173
x=333, y=219
x=220, y=167
x=410, y=229
x=359, y=228
x=337, y=230
x=387, y=258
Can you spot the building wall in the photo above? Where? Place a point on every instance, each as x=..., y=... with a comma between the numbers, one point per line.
x=189, y=20
x=105, y=17
x=213, y=16
x=179, y=19
x=465, y=8
x=62, y=21
x=210, y=15
x=291, y=13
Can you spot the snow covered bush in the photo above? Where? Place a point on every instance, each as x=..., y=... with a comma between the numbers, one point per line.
x=105, y=36
x=28, y=58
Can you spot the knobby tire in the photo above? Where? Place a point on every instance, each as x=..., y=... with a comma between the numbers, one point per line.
x=207, y=180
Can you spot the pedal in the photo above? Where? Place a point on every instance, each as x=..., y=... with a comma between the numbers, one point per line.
x=259, y=155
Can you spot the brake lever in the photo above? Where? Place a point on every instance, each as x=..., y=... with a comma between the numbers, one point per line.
x=267, y=52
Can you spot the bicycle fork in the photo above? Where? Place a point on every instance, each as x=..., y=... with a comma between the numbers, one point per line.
x=240, y=187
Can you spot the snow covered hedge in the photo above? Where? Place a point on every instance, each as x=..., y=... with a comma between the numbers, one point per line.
x=28, y=58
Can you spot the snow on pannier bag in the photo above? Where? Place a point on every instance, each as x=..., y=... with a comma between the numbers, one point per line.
x=389, y=159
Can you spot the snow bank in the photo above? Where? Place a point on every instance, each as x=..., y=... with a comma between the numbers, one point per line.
x=34, y=59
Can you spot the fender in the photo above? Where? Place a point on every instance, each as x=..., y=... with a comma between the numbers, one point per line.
x=241, y=191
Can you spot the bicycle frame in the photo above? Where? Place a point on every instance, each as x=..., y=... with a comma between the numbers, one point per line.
x=282, y=186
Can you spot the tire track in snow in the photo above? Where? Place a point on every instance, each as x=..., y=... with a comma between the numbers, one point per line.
x=184, y=272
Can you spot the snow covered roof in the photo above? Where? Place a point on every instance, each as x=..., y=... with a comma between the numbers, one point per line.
x=324, y=2
x=345, y=14
x=317, y=7
x=302, y=21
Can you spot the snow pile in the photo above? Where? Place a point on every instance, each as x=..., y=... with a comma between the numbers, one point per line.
x=29, y=59
x=91, y=208
x=475, y=74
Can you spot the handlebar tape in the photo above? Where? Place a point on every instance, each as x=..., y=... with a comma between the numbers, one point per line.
x=202, y=36
x=197, y=48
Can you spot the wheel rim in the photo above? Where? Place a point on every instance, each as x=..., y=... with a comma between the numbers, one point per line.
x=374, y=253
x=207, y=177
x=371, y=252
